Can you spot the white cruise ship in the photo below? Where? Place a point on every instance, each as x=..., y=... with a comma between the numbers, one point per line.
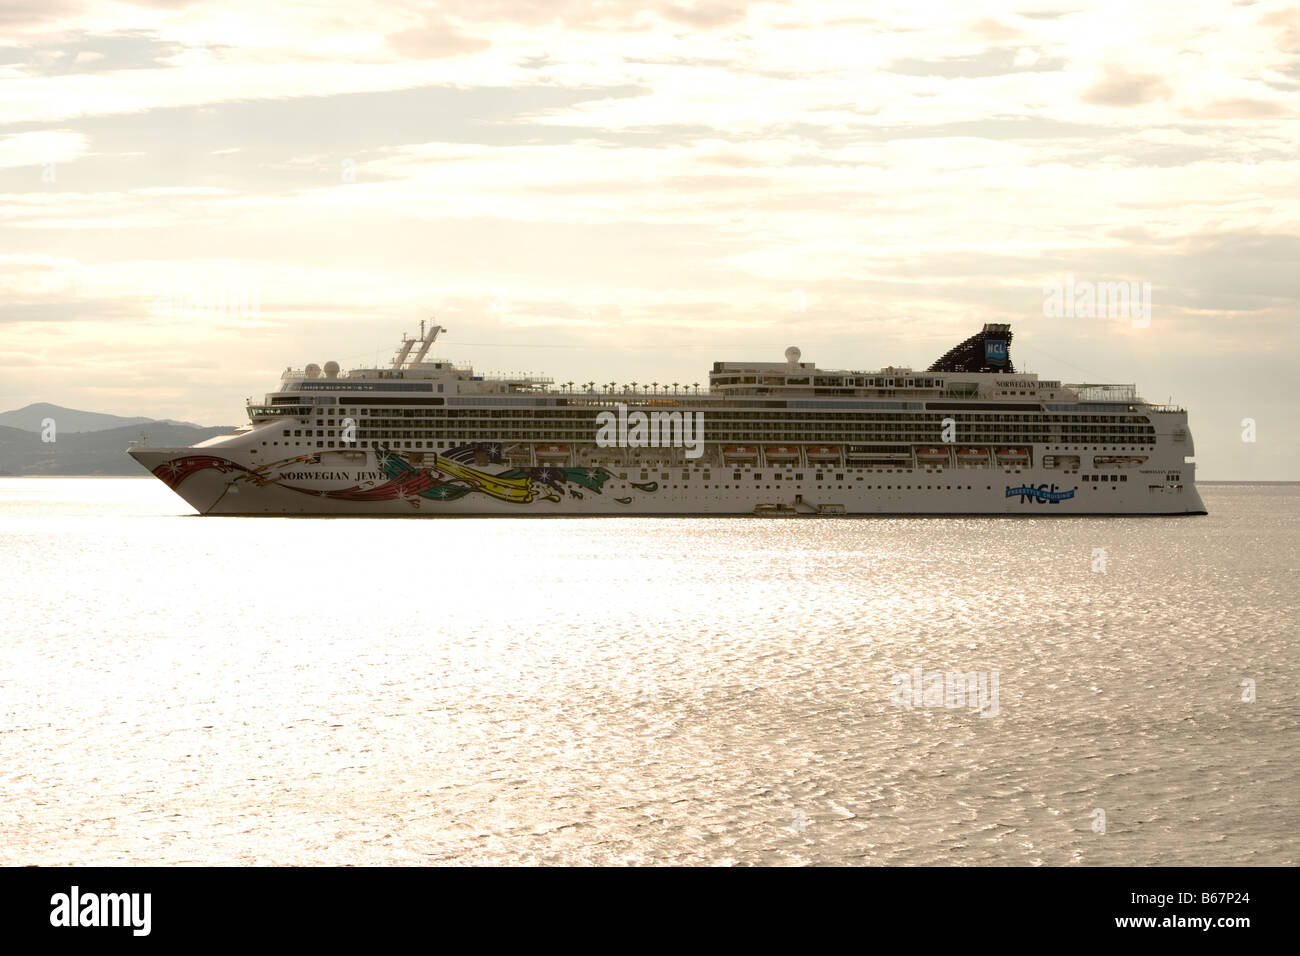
x=967, y=436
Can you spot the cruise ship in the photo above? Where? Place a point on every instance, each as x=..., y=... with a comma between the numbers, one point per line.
x=424, y=436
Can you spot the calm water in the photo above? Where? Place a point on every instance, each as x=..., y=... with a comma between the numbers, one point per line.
x=221, y=690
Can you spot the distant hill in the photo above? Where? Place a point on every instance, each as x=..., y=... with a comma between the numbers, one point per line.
x=68, y=420
x=91, y=452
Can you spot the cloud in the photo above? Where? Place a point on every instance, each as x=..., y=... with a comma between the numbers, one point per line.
x=1121, y=88
x=1241, y=108
x=40, y=148
x=18, y=18
x=994, y=31
x=436, y=38
x=703, y=14
x=1287, y=19
x=600, y=15
x=994, y=62
x=79, y=52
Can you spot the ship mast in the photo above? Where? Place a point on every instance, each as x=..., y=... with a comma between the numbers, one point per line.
x=404, y=351
x=425, y=342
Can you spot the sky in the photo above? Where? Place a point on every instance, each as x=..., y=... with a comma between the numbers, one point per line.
x=195, y=196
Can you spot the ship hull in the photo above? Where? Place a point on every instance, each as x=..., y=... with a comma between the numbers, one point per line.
x=219, y=481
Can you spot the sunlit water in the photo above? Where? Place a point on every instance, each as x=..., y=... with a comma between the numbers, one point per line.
x=178, y=689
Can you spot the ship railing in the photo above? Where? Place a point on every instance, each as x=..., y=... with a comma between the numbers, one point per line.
x=384, y=373
x=517, y=379
x=301, y=373
x=632, y=401
x=1091, y=392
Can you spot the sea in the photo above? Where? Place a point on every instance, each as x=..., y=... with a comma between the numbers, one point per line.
x=177, y=689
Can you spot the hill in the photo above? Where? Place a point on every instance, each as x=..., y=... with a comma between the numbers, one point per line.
x=100, y=452
x=69, y=420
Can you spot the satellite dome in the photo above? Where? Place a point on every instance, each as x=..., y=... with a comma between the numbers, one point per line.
x=312, y=370
x=331, y=369
x=792, y=355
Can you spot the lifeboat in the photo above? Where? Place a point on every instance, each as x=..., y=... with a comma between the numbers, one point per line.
x=781, y=453
x=972, y=454
x=932, y=454
x=552, y=451
x=1013, y=454
x=823, y=453
x=740, y=453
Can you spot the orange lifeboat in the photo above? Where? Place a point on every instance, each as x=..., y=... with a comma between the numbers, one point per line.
x=932, y=454
x=741, y=453
x=1013, y=454
x=972, y=454
x=824, y=453
x=552, y=451
x=781, y=453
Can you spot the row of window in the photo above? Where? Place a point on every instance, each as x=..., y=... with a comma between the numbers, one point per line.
x=827, y=381
x=589, y=415
x=887, y=436
x=404, y=440
x=371, y=430
x=850, y=487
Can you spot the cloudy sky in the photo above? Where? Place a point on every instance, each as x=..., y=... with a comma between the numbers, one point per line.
x=194, y=196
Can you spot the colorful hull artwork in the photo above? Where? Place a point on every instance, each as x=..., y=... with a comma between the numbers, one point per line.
x=446, y=479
